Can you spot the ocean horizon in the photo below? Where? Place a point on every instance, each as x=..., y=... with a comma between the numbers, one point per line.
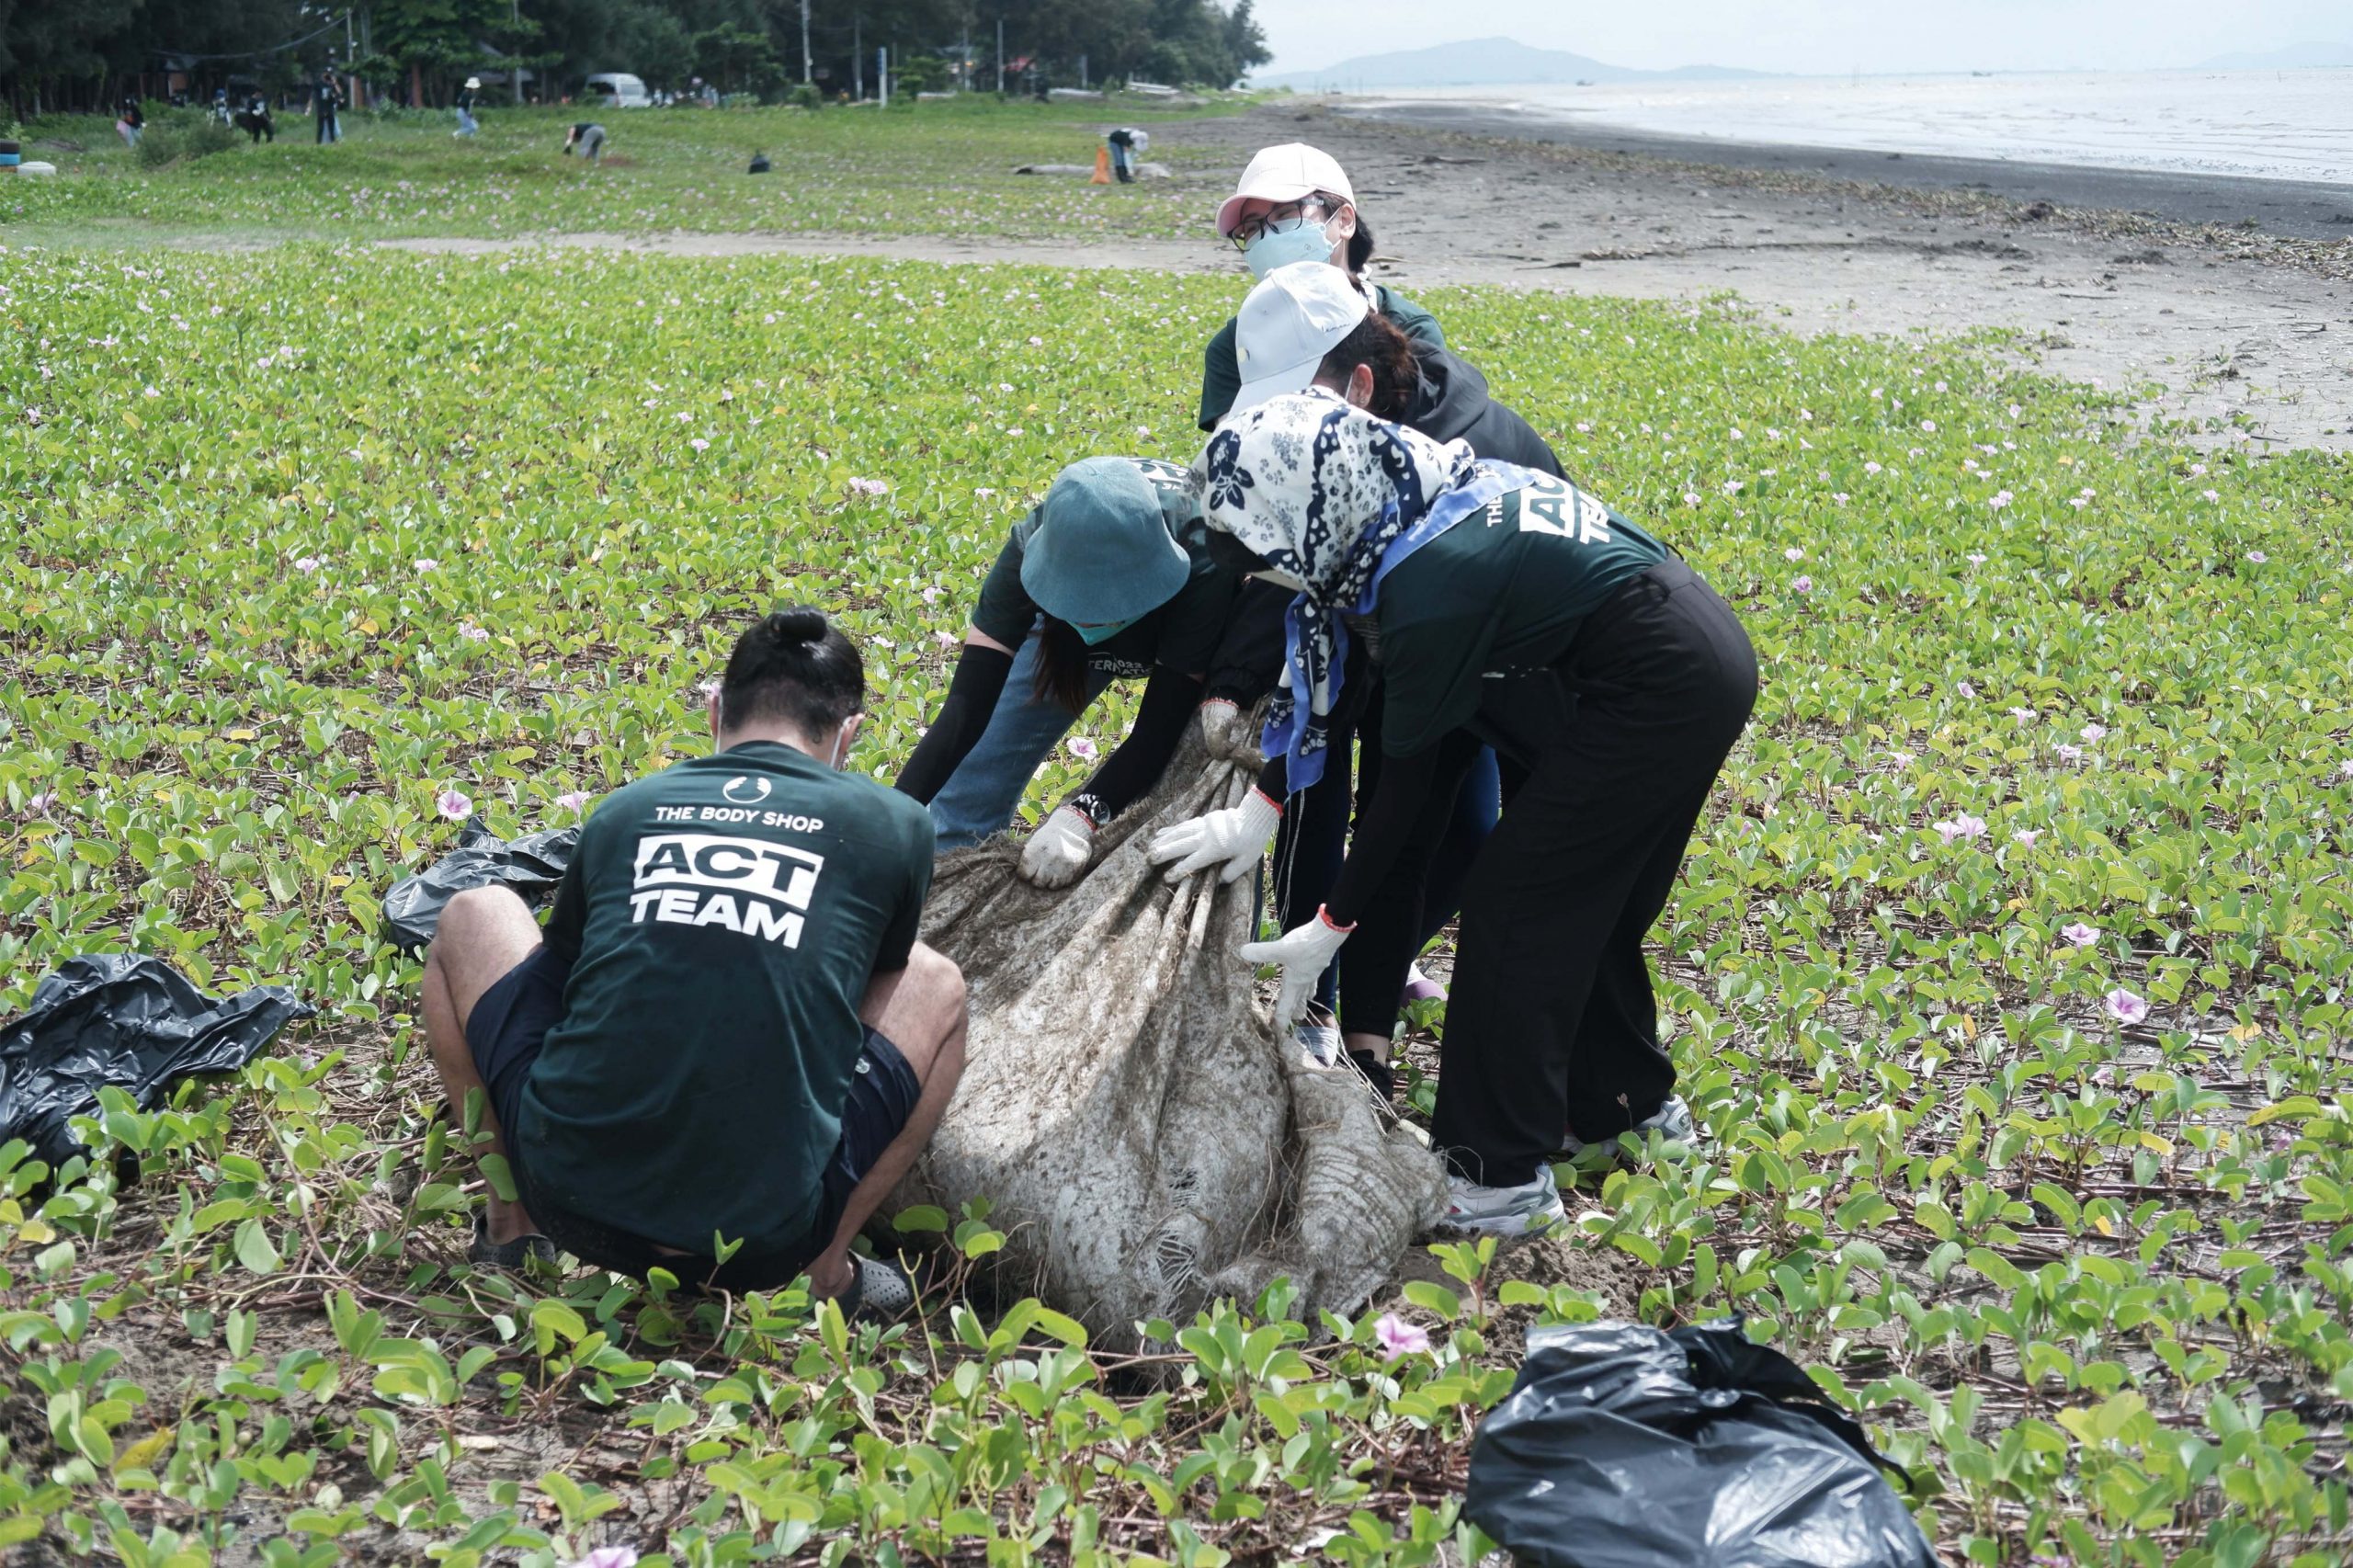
x=2287, y=124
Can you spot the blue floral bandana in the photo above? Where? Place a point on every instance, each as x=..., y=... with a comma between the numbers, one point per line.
x=1334, y=497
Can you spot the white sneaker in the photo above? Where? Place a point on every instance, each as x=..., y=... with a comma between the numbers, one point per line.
x=1504, y=1210
x=1320, y=1042
x=1672, y=1121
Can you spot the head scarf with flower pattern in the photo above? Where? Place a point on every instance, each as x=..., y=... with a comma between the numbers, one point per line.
x=1323, y=492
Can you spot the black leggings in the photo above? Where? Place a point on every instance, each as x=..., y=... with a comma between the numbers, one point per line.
x=1552, y=1023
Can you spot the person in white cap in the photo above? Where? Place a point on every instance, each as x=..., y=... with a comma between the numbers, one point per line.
x=1294, y=204
x=1307, y=325
x=465, y=106
x=1514, y=608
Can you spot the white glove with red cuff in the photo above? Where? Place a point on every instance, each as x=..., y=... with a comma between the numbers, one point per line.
x=1057, y=853
x=1305, y=952
x=1237, y=835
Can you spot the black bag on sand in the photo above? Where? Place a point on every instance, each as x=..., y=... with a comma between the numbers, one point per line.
x=1624, y=1446
x=136, y=1023
x=531, y=865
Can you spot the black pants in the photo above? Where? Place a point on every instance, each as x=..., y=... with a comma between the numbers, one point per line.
x=325, y=131
x=1552, y=1023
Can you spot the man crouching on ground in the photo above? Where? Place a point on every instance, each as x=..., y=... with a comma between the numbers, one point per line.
x=728, y=1032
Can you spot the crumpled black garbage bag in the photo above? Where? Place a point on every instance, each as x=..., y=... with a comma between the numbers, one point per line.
x=531, y=865
x=134, y=1022
x=1624, y=1446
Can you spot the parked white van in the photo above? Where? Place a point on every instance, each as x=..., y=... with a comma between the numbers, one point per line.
x=616, y=89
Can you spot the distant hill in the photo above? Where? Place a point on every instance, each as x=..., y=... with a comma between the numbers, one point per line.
x=1484, y=63
x=2295, y=57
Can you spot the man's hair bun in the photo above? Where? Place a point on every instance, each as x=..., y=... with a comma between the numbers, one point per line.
x=798, y=625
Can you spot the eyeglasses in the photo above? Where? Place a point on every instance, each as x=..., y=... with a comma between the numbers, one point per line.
x=1279, y=221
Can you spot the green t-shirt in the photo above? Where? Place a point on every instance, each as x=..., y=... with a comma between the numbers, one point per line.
x=722, y=919
x=1222, y=370
x=1503, y=590
x=1184, y=633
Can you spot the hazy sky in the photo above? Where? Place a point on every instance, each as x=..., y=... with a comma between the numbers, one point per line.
x=1830, y=37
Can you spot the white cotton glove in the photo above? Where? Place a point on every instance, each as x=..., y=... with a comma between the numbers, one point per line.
x=1305, y=952
x=1057, y=852
x=1237, y=835
x=1223, y=724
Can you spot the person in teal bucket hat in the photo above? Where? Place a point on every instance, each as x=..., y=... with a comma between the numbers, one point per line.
x=1110, y=578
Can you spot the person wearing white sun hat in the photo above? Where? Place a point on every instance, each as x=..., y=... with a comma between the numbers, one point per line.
x=464, y=105
x=1305, y=325
x=1294, y=204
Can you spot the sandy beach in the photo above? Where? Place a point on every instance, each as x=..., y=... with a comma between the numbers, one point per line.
x=2113, y=277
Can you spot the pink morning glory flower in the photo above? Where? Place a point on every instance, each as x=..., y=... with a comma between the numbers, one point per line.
x=473, y=633
x=2078, y=935
x=872, y=486
x=1872, y=467
x=1976, y=558
x=1690, y=497
x=41, y=805
x=609, y=1557
x=2068, y=753
x=454, y=804
x=426, y=563
x=2023, y=715
x=2000, y=499
x=2026, y=836
x=1398, y=1338
x=307, y=563
x=2257, y=557
x=572, y=800
x=1966, y=689
x=1961, y=827
x=699, y=444
x=1082, y=748
x=2124, y=1006
x=1793, y=554
x=2093, y=733
x=1930, y=426
x=1803, y=585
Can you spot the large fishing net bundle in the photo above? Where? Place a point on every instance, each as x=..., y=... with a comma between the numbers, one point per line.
x=1147, y=1140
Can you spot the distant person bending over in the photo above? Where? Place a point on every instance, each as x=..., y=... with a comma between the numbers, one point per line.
x=728, y=1032
x=588, y=139
x=325, y=98
x=467, y=125
x=130, y=122
x=255, y=121
x=1127, y=144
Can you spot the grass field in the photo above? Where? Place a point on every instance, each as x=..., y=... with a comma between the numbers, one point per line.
x=2055, y=726
x=928, y=168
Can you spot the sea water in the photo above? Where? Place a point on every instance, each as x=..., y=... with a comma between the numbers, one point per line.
x=2273, y=124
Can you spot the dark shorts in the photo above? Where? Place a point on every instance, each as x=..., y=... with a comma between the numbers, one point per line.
x=504, y=1033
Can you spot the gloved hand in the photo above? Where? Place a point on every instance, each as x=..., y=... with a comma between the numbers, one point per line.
x=1057, y=852
x=1237, y=835
x=1305, y=952
x=1224, y=725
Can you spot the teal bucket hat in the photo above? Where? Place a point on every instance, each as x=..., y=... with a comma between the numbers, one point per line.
x=1101, y=551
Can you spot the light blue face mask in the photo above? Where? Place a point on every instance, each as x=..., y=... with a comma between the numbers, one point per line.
x=1091, y=635
x=1303, y=242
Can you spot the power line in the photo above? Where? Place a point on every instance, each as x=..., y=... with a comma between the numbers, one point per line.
x=255, y=53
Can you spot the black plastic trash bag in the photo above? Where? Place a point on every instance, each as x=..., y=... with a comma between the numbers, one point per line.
x=1623, y=1447
x=136, y=1023
x=531, y=865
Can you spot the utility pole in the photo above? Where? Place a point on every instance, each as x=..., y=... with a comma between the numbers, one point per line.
x=351, y=83
x=807, y=69
x=857, y=57
x=515, y=48
x=1000, y=56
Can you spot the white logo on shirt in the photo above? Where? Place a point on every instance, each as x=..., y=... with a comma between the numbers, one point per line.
x=758, y=791
x=745, y=885
x=1555, y=506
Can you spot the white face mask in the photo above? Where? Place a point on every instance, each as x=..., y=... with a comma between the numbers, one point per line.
x=841, y=742
x=1279, y=578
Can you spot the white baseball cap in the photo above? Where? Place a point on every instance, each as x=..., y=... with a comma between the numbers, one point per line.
x=1296, y=315
x=1289, y=173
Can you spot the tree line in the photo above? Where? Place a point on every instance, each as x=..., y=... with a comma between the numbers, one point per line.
x=82, y=56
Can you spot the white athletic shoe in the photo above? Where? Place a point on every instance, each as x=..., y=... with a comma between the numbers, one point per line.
x=1320, y=1042
x=1672, y=1121
x=1504, y=1210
